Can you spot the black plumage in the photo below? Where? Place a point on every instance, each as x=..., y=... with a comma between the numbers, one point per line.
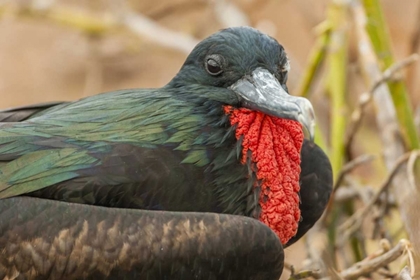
x=169, y=149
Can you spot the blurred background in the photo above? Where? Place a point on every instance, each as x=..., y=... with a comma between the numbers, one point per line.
x=68, y=49
x=84, y=48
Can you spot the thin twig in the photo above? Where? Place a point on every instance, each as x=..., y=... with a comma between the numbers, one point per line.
x=390, y=72
x=144, y=26
x=365, y=98
x=387, y=116
x=386, y=273
x=354, y=222
x=123, y=17
x=411, y=261
x=370, y=265
x=417, y=118
x=350, y=166
x=379, y=229
x=347, y=168
x=410, y=169
x=346, y=193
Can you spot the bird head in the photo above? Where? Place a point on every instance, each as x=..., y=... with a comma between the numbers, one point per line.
x=245, y=68
x=246, y=71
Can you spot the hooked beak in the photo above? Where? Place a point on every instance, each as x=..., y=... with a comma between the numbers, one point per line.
x=261, y=91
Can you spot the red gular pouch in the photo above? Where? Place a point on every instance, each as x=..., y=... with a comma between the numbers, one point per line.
x=275, y=146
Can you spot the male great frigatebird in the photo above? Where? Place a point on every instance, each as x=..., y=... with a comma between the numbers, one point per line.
x=218, y=154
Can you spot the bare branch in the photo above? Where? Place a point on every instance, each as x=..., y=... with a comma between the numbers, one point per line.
x=354, y=222
x=99, y=25
x=365, y=98
x=144, y=26
x=370, y=265
x=386, y=117
x=347, y=168
x=417, y=118
x=350, y=166
x=391, y=71
x=410, y=169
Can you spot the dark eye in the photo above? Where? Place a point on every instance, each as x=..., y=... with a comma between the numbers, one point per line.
x=213, y=64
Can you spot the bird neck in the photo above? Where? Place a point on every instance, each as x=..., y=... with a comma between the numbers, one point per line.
x=272, y=147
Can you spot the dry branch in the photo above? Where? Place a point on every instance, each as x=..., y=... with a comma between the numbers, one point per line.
x=355, y=221
x=144, y=26
x=99, y=25
x=386, y=117
x=350, y=166
x=370, y=265
x=365, y=98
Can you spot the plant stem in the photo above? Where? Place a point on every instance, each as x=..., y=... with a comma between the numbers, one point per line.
x=338, y=16
x=378, y=32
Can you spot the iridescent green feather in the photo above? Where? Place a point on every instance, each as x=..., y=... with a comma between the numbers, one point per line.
x=52, y=147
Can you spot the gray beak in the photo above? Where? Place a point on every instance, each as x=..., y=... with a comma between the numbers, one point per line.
x=261, y=91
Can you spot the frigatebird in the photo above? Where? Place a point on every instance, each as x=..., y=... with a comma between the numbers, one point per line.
x=208, y=177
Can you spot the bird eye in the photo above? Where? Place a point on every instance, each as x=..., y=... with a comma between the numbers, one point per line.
x=214, y=64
